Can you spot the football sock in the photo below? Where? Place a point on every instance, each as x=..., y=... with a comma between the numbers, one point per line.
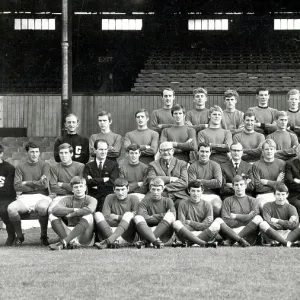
x=103, y=229
x=161, y=228
x=184, y=234
x=274, y=235
x=16, y=223
x=122, y=227
x=206, y=235
x=80, y=228
x=229, y=233
x=43, y=220
x=58, y=228
x=145, y=232
x=249, y=229
x=294, y=235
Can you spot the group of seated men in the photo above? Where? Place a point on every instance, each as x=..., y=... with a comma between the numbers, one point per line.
x=198, y=177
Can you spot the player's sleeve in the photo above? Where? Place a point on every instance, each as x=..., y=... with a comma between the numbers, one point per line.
x=153, y=146
x=187, y=146
x=192, y=172
x=290, y=224
x=61, y=209
x=154, y=122
x=201, y=226
x=127, y=141
x=216, y=182
x=91, y=144
x=225, y=214
x=89, y=208
x=267, y=215
x=143, y=211
x=19, y=187
x=115, y=149
x=57, y=143
x=54, y=187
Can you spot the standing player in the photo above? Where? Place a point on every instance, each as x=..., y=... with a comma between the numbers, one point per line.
x=118, y=211
x=267, y=172
x=209, y=174
x=78, y=209
x=180, y=135
x=281, y=220
x=232, y=117
x=7, y=195
x=220, y=139
x=240, y=212
x=31, y=181
x=143, y=136
x=79, y=143
x=250, y=139
x=134, y=171
x=162, y=118
x=294, y=112
x=101, y=173
x=157, y=212
x=113, y=140
x=172, y=171
x=264, y=115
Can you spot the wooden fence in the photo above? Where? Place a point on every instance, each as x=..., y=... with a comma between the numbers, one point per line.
x=41, y=113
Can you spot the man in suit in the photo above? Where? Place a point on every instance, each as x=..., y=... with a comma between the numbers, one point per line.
x=172, y=171
x=235, y=167
x=101, y=173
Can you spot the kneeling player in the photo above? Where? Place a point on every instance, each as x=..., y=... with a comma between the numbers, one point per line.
x=78, y=209
x=240, y=212
x=281, y=220
x=118, y=211
x=157, y=212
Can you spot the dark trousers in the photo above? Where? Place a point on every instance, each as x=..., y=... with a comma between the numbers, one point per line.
x=4, y=216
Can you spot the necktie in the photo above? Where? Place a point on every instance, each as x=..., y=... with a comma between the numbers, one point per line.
x=236, y=167
x=100, y=165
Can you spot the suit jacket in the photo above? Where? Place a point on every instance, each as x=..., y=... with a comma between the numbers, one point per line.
x=228, y=173
x=97, y=188
x=177, y=168
x=292, y=170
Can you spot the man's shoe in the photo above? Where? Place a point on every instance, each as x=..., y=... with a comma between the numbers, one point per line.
x=275, y=244
x=115, y=245
x=140, y=244
x=181, y=244
x=44, y=241
x=158, y=244
x=58, y=246
x=103, y=245
x=296, y=244
x=10, y=240
x=243, y=243
x=19, y=240
x=227, y=243
x=211, y=245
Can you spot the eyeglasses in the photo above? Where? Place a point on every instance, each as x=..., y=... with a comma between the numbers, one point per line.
x=165, y=150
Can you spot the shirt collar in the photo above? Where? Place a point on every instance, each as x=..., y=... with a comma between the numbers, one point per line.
x=98, y=162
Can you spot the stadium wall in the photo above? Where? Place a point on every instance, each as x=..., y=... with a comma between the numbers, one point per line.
x=40, y=114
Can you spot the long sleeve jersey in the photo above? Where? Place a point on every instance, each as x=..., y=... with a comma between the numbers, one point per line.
x=161, y=117
x=234, y=120
x=7, y=191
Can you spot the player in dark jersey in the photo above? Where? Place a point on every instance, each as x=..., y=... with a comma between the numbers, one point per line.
x=294, y=112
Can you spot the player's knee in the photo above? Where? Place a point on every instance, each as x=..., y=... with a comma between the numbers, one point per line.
x=264, y=226
x=42, y=209
x=89, y=218
x=139, y=219
x=128, y=216
x=215, y=226
x=217, y=202
x=98, y=216
x=169, y=217
x=257, y=220
x=12, y=209
x=177, y=225
x=52, y=217
x=218, y=221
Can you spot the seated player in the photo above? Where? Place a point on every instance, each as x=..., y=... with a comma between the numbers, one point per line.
x=80, y=144
x=135, y=172
x=294, y=112
x=7, y=195
x=236, y=167
x=285, y=141
x=31, y=182
x=155, y=217
x=172, y=171
x=162, y=118
x=195, y=222
x=209, y=174
x=113, y=140
x=232, y=117
x=292, y=179
x=62, y=173
x=281, y=220
x=240, y=212
x=220, y=139
x=101, y=173
x=264, y=115
x=78, y=209
x=118, y=211
x=267, y=172
x=180, y=135
x=143, y=136
x=250, y=139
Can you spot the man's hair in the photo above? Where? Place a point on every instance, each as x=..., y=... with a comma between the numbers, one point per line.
x=167, y=89
x=100, y=141
x=199, y=90
x=195, y=184
x=71, y=115
x=248, y=114
x=121, y=182
x=215, y=108
x=206, y=145
x=133, y=147
x=177, y=107
x=142, y=110
x=31, y=145
x=1, y=148
x=65, y=146
x=261, y=89
x=234, y=144
x=157, y=182
x=268, y=142
x=105, y=113
x=238, y=178
x=281, y=114
x=292, y=92
x=77, y=180
x=231, y=93
x=281, y=187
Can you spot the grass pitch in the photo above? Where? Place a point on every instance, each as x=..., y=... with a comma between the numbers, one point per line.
x=34, y=272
